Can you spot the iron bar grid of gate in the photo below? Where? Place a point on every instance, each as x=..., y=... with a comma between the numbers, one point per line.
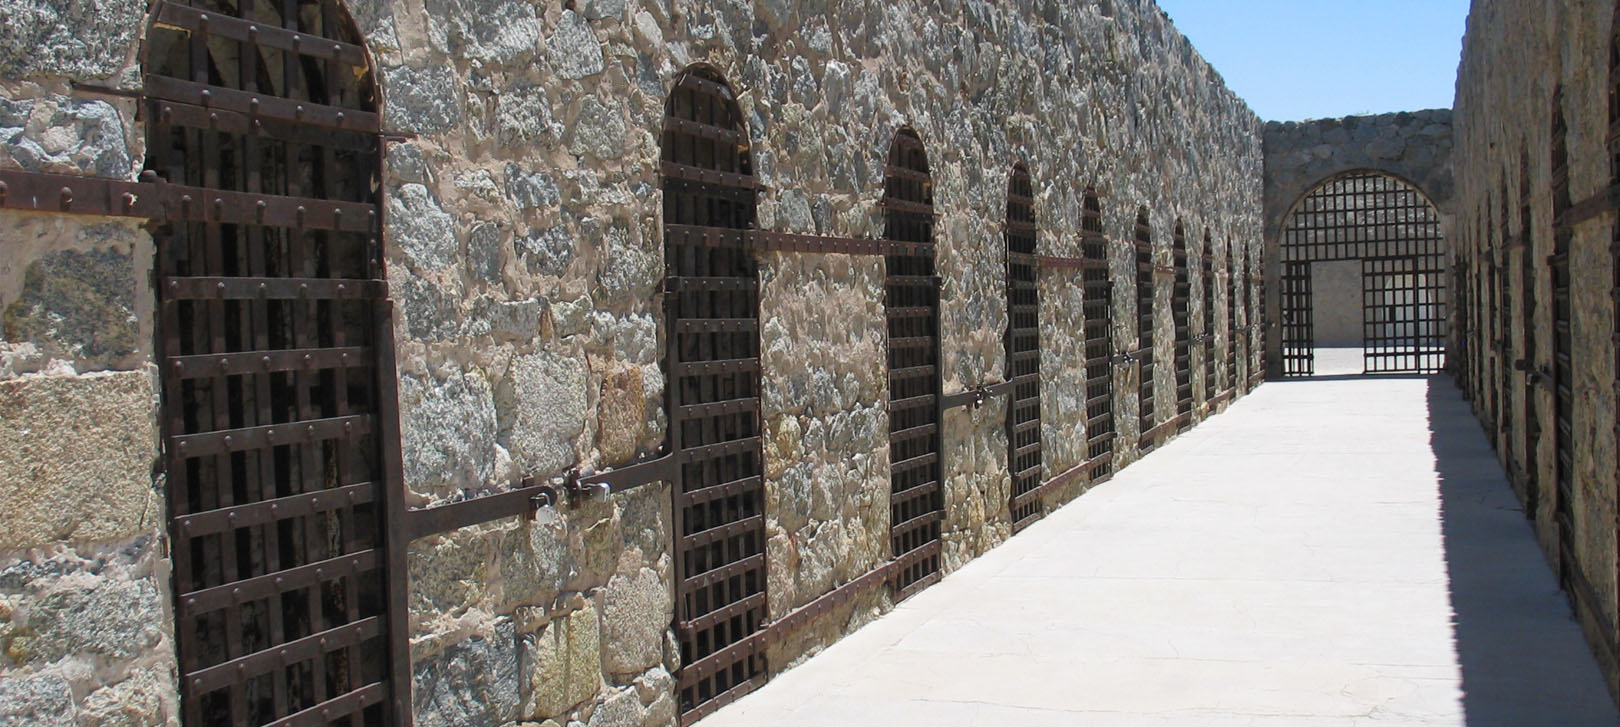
x=1098, y=315
x=1023, y=349
x=1144, y=331
x=711, y=298
x=275, y=347
x=1368, y=216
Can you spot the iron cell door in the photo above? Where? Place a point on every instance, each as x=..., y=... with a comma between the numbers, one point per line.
x=276, y=356
x=1528, y=273
x=1232, y=317
x=1098, y=313
x=911, y=304
x=1403, y=314
x=712, y=368
x=1208, y=336
x=1144, y=332
x=1563, y=350
x=1298, y=331
x=1023, y=344
x=1180, y=315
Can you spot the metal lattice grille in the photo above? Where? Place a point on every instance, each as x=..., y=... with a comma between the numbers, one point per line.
x=1504, y=343
x=1023, y=353
x=1144, y=328
x=1232, y=332
x=1180, y=300
x=276, y=369
x=1563, y=370
x=911, y=290
x=1369, y=216
x=1527, y=312
x=1298, y=314
x=1208, y=337
x=712, y=368
x=1097, y=301
x=1398, y=295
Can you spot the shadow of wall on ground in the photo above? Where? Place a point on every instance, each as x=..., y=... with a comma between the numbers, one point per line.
x=1522, y=658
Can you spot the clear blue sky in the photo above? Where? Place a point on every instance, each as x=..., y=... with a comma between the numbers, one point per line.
x=1314, y=59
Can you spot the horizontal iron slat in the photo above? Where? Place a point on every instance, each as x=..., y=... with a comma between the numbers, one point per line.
x=718, y=408
x=915, y=491
x=79, y=195
x=721, y=532
x=688, y=173
x=724, y=613
x=915, y=402
x=702, y=236
x=270, y=435
x=259, y=362
x=711, y=493
x=905, y=206
x=914, y=463
x=266, y=36
x=713, y=576
x=916, y=523
x=817, y=244
x=201, y=204
x=276, y=509
x=235, y=593
x=280, y=656
x=901, y=172
x=720, y=449
x=906, y=435
x=703, y=130
x=335, y=708
x=675, y=284
x=260, y=104
x=717, y=325
x=710, y=368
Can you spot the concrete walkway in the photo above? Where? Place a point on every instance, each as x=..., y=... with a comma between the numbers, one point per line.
x=1329, y=552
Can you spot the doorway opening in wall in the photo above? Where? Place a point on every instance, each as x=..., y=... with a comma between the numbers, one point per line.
x=1363, y=280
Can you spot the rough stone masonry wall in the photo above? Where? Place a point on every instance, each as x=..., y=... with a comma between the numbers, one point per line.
x=1515, y=55
x=525, y=258
x=1413, y=146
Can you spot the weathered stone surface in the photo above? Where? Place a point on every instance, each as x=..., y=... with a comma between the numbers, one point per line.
x=64, y=135
x=83, y=40
x=620, y=414
x=598, y=130
x=629, y=272
x=422, y=229
x=427, y=309
x=111, y=618
x=471, y=683
x=133, y=702
x=535, y=560
x=619, y=709
x=484, y=252
x=562, y=664
x=518, y=319
x=524, y=114
x=573, y=49
x=448, y=572
x=449, y=431
x=542, y=409
x=488, y=31
x=635, y=610
x=421, y=100
x=103, y=492
x=530, y=190
x=41, y=700
x=547, y=252
x=81, y=304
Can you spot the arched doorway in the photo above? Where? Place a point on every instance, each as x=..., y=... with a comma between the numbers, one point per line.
x=713, y=374
x=276, y=356
x=1363, y=271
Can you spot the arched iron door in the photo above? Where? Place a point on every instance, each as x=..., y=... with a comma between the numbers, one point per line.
x=1098, y=310
x=1180, y=315
x=1146, y=418
x=713, y=387
x=274, y=342
x=1023, y=343
x=911, y=304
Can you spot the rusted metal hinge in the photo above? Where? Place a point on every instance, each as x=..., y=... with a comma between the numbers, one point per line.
x=975, y=396
x=661, y=469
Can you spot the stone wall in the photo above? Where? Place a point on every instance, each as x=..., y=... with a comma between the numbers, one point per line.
x=84, y=586
x=524, y=256
x=1413, y=146
x=1515, y=55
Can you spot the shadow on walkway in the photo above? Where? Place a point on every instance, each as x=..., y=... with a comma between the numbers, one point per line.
x=1515, y=671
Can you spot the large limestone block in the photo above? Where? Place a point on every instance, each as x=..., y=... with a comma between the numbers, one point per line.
x=78, y=457
x=562, y=664
x=636, y=609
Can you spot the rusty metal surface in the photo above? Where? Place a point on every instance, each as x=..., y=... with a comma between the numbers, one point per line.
x=911, y=303
x=1562, y=380
x=278, y=407
x=1145, y=269
x=1207, y=337
x=712, y=369
x=1098, y=316
x=1023, y=350
x=1180, y=293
